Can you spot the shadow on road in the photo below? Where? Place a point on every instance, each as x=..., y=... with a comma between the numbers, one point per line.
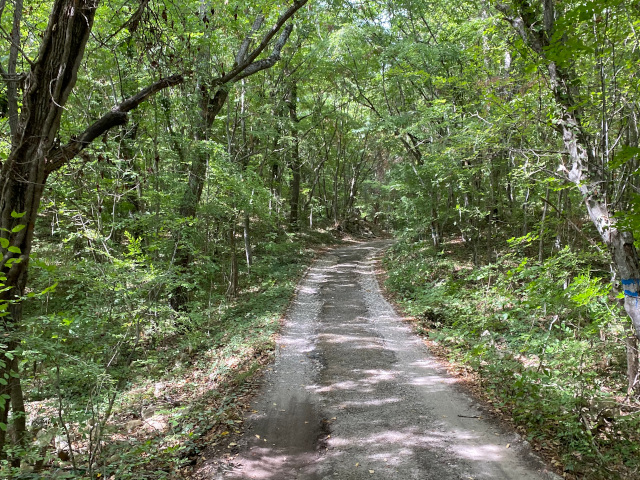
x=354, y=394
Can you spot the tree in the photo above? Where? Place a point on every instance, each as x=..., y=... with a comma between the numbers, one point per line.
x=214, y=93
x=34, y=156
x=586, y=166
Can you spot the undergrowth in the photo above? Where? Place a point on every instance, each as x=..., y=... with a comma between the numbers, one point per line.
x=546, y=340
x=144, y=401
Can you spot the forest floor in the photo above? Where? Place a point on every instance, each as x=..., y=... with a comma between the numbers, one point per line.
x=353, y=394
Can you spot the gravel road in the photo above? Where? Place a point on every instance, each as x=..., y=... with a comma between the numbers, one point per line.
x=354, y=394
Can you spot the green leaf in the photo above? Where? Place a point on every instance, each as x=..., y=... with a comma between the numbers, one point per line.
x=4, y=242
x=3, y=382
x=14, y=250
x=50, y=288
x=15, y=214
x=623, y=156
x=17, y=228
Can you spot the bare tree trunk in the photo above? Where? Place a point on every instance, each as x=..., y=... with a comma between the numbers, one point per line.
x=210, y=106
x=435, y=224
x=232, y=289
x=247, y=242
x=24, y=173
x=544, y=216
x=12, y=77
x=335, y=192
x=33, y=157
x=632, y=363
x=209, y=109
x=296, y=166
x=18, y=413
x=584, y=169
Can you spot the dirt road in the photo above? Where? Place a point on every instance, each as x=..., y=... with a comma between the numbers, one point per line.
x=353, y=394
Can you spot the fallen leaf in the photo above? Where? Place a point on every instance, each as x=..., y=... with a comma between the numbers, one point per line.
x=508, y=445
x=224, y=433
x=357, y=464
x=372, y=471
x=257, y=436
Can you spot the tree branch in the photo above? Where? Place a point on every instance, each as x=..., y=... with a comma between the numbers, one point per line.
x=244, y=48
x=522, y=25
x=573, y=225
x=134, y=20
x=250, y=58
x=12, y=81
x=117, y=116
x=132, y=23
x=270, y=61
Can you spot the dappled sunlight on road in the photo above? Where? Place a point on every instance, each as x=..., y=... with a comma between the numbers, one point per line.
x=354, y=395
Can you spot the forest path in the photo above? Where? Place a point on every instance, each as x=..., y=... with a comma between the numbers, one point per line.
x=354, y=394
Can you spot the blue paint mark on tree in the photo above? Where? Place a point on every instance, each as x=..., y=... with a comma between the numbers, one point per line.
x=633, y=286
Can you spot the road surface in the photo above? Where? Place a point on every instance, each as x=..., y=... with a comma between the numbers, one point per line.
x=354, y=394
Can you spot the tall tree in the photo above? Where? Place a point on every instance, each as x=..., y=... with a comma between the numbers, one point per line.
x=586, y=167
x=213, y=95
x=34, y=155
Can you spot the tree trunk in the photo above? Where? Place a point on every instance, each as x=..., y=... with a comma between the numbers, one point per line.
x=209, y=109
x=232, y=289
x=583, y=170
x=24, y=173
x=247, y=242
x=544, y=216
x=33, y=157
x=631, y=344
x=294, y=190
x=295, y=164
x=18, y=413
x=210, y=106
x=435, y=225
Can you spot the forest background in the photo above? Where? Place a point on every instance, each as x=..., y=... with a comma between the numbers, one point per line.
x=184, y=159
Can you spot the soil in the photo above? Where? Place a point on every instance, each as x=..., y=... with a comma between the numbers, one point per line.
x=354, y=394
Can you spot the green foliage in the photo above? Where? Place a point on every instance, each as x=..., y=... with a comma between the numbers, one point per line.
x=544, y=337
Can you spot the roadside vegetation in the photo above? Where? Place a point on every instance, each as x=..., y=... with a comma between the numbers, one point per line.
x=544, y=340
x=141, y=392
